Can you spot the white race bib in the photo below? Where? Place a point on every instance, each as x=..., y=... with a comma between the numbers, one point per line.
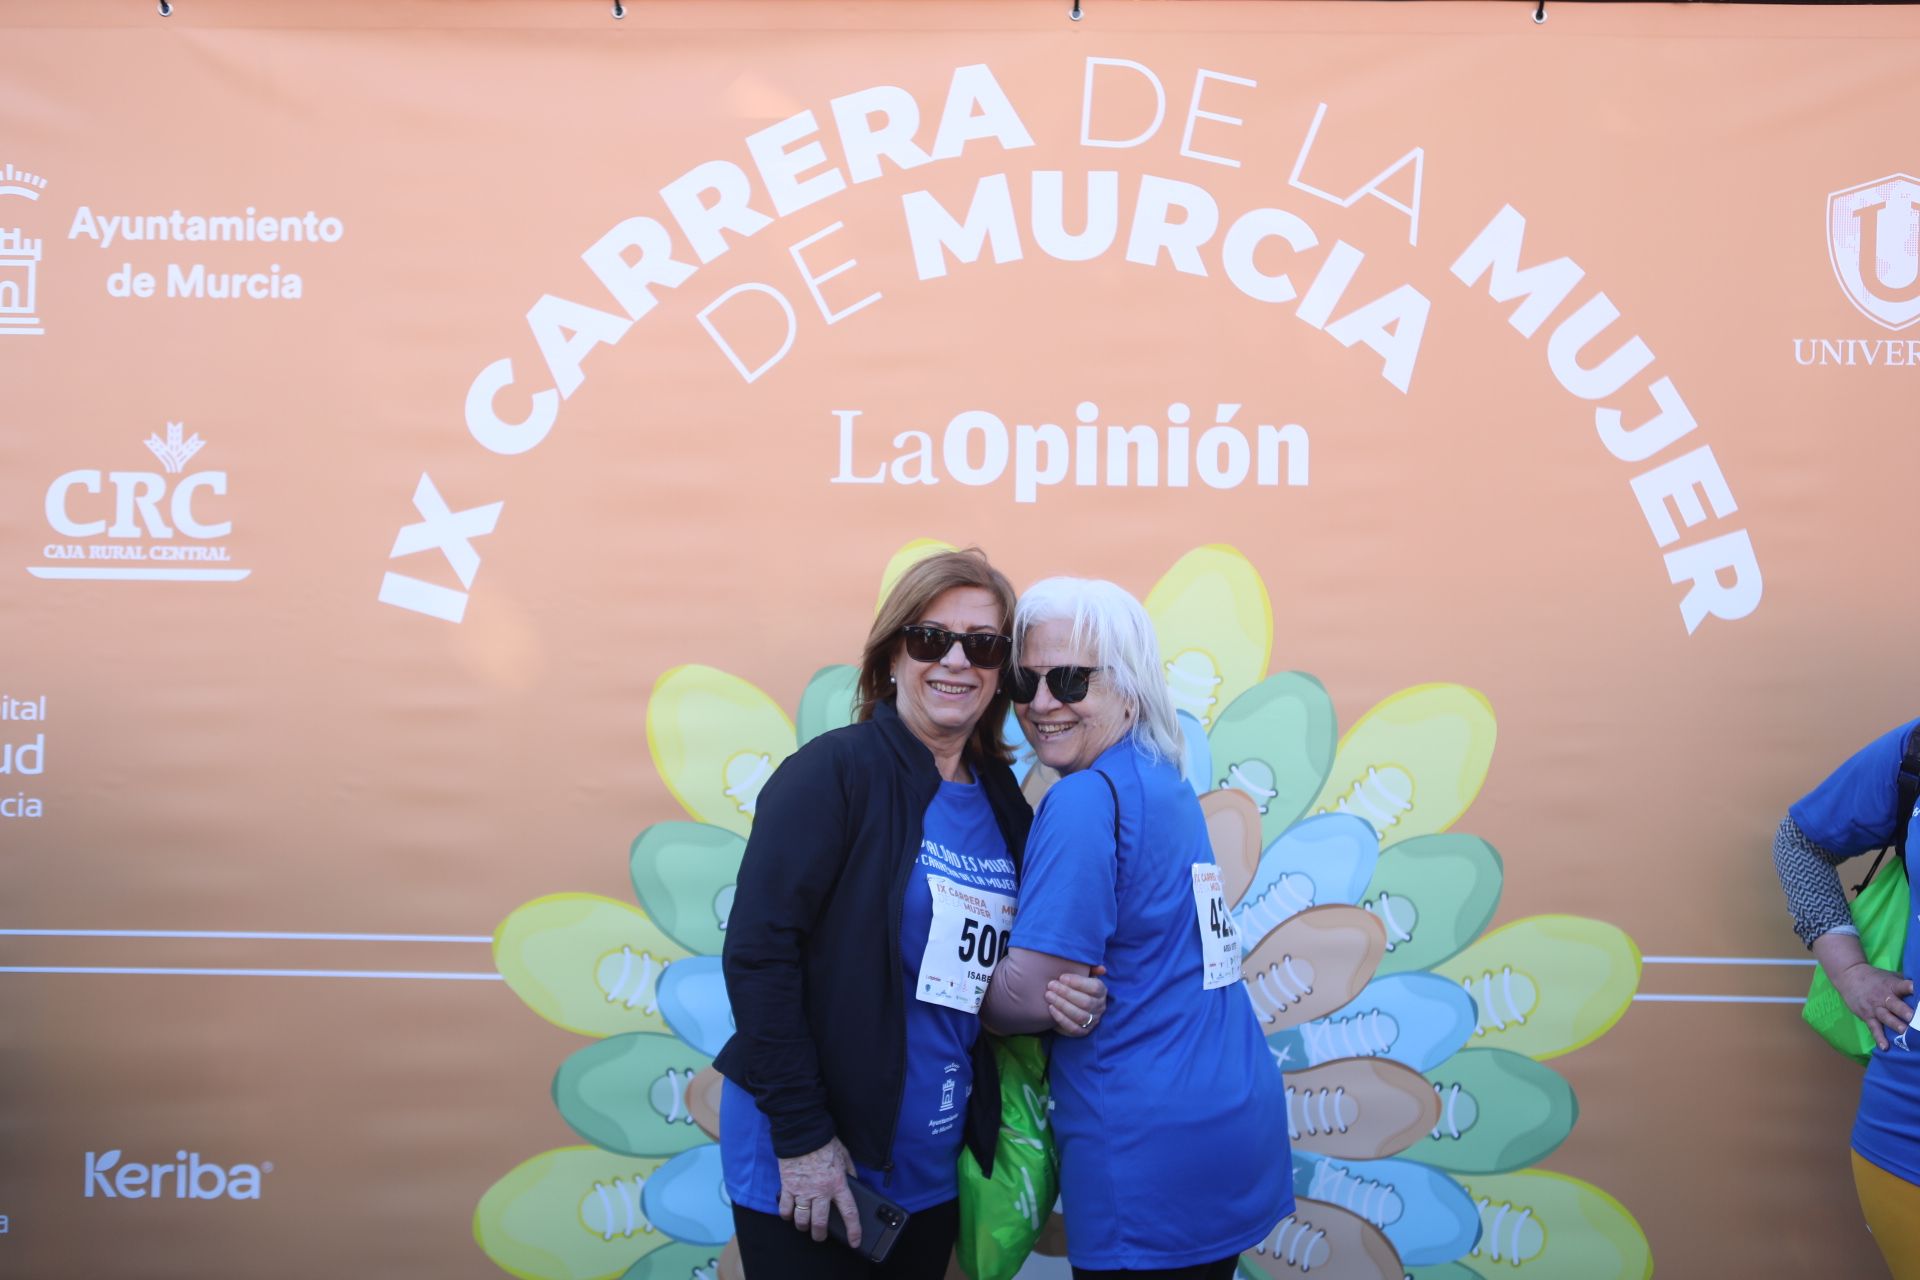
x=1219, y=936
x=969, y=933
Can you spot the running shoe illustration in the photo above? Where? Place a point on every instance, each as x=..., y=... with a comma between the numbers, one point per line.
x=684, y=874
x=677, y=1262
x=1319, y=1239
x=715, y=740
x=1499, y=1112
x=904, y=559
x=1199, y=767
x=634, y=1094
x=687, y=1198
x=1321, y=860
x=1546, y=985
x=1215, y=625
x=1417, y=1019
x=1313, y=964
x=827, y=702
x=1360, y=1108
x=1434, y=894
x=586, y=963
x=1412, y=764
x=1428, y=1216
x=1536, y=1223
x=1359, y=912
x=1233, y=829
x=1276, y=743
x=569, y=1214
x=693, y=1001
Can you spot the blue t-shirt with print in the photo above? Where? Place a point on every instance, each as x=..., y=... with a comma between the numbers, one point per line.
x=1171, y=1117
x=1851, y=812
x=961, y=843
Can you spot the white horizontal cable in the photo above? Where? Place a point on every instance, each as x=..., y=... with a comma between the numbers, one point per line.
x=254, y=973
x=245, y=936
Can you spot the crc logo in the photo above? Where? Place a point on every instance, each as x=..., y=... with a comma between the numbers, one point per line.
x=190, y=1178
x=162, y=524
x=1873, y=238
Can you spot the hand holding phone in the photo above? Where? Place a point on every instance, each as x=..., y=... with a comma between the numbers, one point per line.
x=881, y=1221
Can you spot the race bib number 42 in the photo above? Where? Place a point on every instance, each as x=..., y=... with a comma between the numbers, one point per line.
x=970, y=930
x=1219, y=936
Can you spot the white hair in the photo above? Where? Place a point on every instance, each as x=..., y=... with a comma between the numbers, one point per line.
x=1113, y=630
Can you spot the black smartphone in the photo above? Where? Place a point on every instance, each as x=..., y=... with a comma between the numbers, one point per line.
x=881, y=1221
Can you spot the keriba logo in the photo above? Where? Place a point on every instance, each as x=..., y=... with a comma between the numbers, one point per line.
x=191, y=1178
x=1873, y=238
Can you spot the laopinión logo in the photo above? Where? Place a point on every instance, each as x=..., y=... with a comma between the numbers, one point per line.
x=163, y=523
x=189, y=1177
x=1873, y=242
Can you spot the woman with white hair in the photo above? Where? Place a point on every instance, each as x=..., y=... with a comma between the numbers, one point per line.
x=1171, y=1117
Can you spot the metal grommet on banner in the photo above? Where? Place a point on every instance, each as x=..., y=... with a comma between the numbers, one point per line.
x=1540, y=12
x=1074, y=13
x=619, y=9
x=166, y=8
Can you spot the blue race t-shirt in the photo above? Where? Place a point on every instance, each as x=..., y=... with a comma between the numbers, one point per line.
x=961, y=845
x=1171, y=1117
x=1853, y=811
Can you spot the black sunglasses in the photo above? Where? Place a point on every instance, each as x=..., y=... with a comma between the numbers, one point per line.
x=927, y=643
x=1069, y=684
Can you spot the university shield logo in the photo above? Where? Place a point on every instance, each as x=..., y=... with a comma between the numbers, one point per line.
x=1873, y=237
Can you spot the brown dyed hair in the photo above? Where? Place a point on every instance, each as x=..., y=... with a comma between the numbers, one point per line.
x=907, y=603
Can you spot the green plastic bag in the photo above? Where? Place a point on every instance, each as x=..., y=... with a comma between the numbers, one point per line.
x=1880, y=913
x=1001, y=1216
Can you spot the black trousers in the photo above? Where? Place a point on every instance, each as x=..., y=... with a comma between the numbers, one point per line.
x=771, y=1249
x=1221, y=1270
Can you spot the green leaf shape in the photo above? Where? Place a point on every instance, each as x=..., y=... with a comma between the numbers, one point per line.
x=1276, y=742
x=1435, y=894
x=677, y=1262
x=828, y=701
x=627, y=1094
x=683, y=874
x=1499, y=1111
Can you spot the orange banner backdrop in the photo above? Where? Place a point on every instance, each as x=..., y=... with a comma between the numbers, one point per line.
x=448, y=450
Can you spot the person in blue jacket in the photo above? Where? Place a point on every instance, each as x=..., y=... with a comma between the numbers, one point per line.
x=875, y=889
x=1854, y=810
x=1171, y=1119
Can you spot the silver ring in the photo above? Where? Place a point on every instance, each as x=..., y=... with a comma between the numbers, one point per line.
x=1088, y=1023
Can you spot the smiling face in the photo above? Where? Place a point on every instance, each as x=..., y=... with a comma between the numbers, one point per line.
x=943, y=701
x=1068, y=737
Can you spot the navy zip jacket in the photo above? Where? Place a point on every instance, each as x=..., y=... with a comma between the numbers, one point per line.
x=812, y=957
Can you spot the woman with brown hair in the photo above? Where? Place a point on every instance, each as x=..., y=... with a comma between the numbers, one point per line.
x=876, y=892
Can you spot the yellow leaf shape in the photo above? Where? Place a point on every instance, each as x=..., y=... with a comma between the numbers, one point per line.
x=586, y=963
x=1215, y=626
x=715, y=740
x=572, y=1213
x=904, y=559
x=1536, y=1223
x=1546, y=985
x=1413, y=764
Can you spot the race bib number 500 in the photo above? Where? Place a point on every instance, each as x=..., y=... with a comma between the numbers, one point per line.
x=1219, y=936
x=970, y=930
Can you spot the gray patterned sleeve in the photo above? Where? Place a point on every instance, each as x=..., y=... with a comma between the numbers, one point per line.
x=1808, y=874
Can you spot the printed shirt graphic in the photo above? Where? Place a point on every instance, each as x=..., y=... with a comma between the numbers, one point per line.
x=1853, y=811
x=1171, y=1117
x=962, y=844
